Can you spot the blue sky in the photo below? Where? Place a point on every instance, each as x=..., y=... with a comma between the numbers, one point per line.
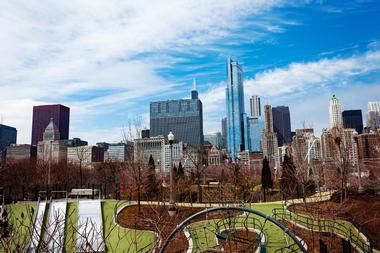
x=107, y=60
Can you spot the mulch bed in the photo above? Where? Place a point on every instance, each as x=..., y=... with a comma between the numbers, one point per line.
x=333, y=242
x=361, y=210
x=240, y=241
x=156, y=218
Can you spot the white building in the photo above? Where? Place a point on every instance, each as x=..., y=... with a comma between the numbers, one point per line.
x=254, y=105
x=177, y=155
x=52, y=148
x=373, y=115
x=120, y=152
x=85, y=155
x=335, y=113
x=146, y=147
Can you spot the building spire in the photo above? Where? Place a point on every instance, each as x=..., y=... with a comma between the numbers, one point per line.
x=194, y=84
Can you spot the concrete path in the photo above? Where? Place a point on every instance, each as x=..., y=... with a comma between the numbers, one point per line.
x=90, y=227
x=37, y=227
x=55, y=226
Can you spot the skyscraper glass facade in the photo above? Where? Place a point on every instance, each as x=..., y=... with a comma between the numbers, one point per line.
x=353, y=119
x=183, y=117
x=255, y=131
x=237, y=139
x=8, y=135
x=281, y=124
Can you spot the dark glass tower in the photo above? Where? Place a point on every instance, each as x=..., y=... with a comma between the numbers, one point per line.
x=353, y=119
x=281, y=124
x=41, y=118
x=184, y=117
x=8, y=135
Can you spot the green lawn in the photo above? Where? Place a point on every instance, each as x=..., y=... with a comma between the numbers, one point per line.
x=120, y=239
x=21, y=218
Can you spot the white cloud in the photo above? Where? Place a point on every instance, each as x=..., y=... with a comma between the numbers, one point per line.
x=53, y=50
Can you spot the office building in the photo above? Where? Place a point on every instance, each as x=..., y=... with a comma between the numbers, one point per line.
x=255, y=106
x=184, y=117
x=373, y=115
x=8, y=136
x=121, y=152
x=76, y=142
x=52, y=148
x=353, y=119
x=269, y=138
x=255, y=131
x=177, y=155
x=306, y=147
x=145, y=133
x=224, y=133
x=85, y=155
x=349, y=145
x=335, y=113
x=153, y=146
x=328, y=147
x=214, y=156
x=237, y=139
x=214, y=139
x=41, y=118
x=368, y=146
x=281, y=124
x=17, y=152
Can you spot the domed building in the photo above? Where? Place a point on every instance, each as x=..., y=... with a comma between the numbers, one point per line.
x=52, y=148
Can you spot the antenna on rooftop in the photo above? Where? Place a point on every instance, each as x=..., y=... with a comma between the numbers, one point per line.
x=194, y=84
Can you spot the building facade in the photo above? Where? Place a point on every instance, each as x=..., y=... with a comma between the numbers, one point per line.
x=76, y=142
x=21, y=152
x=353, y=119
x=153, y=146
x=255, y=131
x=41, y=118
x=177, y=149
x=52, y=148
x=269, y=138
x=8, y=136
x=368, y=146
x=281, y=124
x=224, y=133
x=373, y=115
x=255, y=106
x=85, y=155
x=237, y=136
x=183, y=117
x=335, y=113
x=120, y=152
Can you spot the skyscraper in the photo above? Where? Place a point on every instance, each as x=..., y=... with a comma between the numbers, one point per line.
x=184, y=117
x=255, y=131
x=237, y=136
x=255, y=106
x=41, y=118
x=224, y=132
x=373, y=115
x=353, y=119
x=269, y=138
x=281, y=124
x=8, y=136
x=335, y=113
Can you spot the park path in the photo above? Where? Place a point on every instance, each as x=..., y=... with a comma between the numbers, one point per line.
x=90, y=226
x=55, y=226
x=37, y=227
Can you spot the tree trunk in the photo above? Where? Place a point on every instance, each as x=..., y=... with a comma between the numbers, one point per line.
x=265, y=195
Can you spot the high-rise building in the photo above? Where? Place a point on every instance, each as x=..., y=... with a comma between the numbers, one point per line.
x=255, y=106
x=8, y=136
x=373, y=115
x=145, y=133
x=20, y=152
x=52, y=148
x=269, y=138
x=255, y=131
x=121, y=152
x=349, y=145
x=224, y=133
x=85, y=155
x=76, y=142
x=237, y=136
x=281, y=124
x=41, y=118
x=353, y=119
x=214, y=139
x=153, y=146
x=368, y=146
x=305, y=146
x=184, y=117
x=335, y=113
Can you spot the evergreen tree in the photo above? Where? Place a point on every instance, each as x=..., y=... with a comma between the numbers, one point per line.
x=266, y=177
x=288, y=179
x=150, y=184
x=180, y=171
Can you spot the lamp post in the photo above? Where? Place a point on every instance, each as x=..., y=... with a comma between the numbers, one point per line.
x=172, y=208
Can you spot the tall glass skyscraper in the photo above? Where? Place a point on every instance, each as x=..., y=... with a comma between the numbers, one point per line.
x=8, y=135
x=237, y=130
x=184, y=117
x=255, y=131
x=281, y=124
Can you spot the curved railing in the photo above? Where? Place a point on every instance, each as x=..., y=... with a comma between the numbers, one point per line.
x=338, y=227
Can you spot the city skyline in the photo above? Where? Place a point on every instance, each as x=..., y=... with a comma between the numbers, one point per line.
x=102, y=73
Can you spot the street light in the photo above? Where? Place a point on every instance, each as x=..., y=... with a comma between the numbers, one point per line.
x=172, y=208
